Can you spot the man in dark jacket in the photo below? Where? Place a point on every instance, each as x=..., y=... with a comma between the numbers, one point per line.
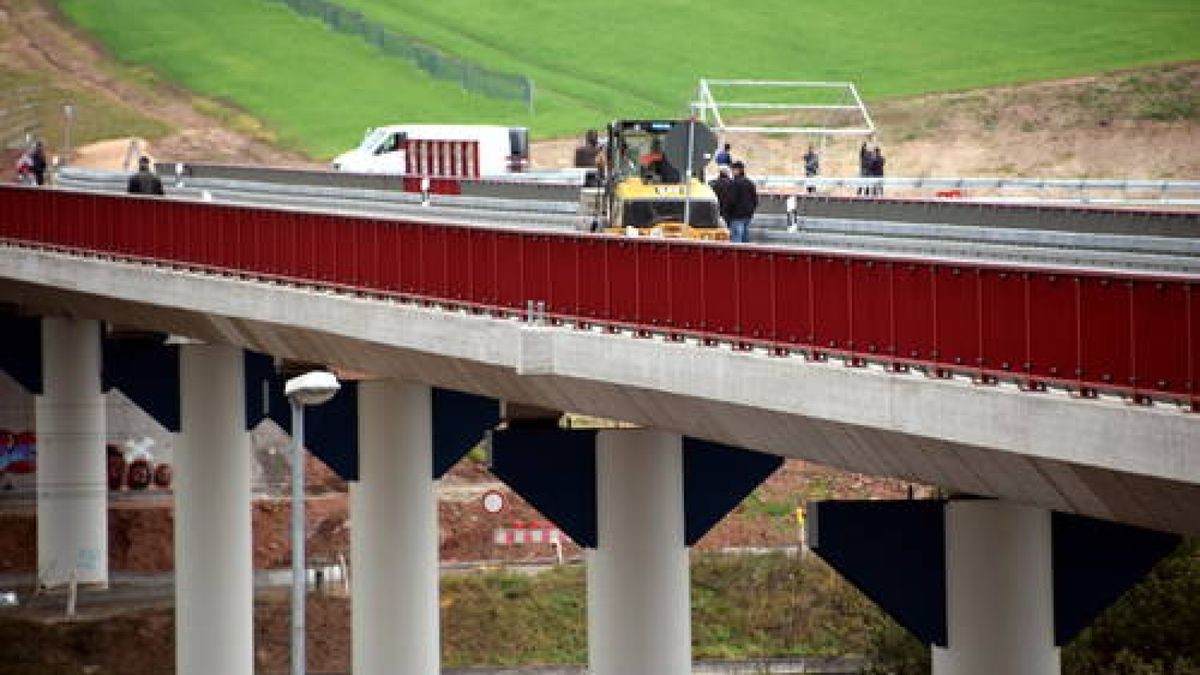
x=37, y=163
x=877, y=162
x=864, y=168
x=145, y=182
x=812, y=166
x=742, y=204
x=723, y=188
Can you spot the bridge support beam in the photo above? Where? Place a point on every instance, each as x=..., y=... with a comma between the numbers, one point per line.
x=72, y=505
x=214, y=582
x=999, y=591
x=394, y=543
x=991, y=586
x=639, y=609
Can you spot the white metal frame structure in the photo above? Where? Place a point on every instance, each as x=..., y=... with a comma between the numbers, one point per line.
x=708, y=108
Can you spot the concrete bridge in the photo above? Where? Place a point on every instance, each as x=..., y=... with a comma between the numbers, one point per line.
x=1059, y=400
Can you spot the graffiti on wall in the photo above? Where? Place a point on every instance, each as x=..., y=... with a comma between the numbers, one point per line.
x=131, y=463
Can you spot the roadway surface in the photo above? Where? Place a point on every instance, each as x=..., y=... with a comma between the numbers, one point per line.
x=1105, y=239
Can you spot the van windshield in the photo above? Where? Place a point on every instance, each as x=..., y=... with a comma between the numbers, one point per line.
x=373, y=138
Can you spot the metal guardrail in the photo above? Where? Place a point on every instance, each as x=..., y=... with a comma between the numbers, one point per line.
x=1081, y=186
x=1139, y=222
x=445, y=209
x=1011, y=244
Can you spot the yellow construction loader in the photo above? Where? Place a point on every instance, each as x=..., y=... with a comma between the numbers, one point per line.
x=645, y=189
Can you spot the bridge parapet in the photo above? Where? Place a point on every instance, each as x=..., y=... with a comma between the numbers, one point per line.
x=1091, y=331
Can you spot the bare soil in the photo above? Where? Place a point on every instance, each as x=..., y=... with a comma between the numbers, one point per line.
x=1142, y=123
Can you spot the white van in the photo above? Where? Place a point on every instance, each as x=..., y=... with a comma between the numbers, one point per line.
x=501, y=150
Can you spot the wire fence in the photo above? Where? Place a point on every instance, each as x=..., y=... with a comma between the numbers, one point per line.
x=472, y=76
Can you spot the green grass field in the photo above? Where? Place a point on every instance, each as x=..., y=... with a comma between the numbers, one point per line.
x=591, y=62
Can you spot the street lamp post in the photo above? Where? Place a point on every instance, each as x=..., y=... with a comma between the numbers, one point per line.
x=312, y=388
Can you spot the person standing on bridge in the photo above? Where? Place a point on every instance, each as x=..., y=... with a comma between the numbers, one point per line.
x=37, y=163
x=724, y=157
x=864, y=168
x=722, y=186
x=812, y=166
x=876, y=168
x=743, y=202
x=144, y=182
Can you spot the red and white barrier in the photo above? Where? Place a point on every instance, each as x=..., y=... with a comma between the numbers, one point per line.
x=536, y=532
x=442, y=159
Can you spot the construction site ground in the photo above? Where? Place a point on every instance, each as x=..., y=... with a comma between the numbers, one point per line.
x=138, y=609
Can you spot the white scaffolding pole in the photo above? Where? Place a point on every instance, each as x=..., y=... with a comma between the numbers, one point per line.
x=810, y=97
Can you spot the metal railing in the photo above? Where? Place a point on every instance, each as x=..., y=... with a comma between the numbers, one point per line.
x=1100, y=191
x=1127, y=333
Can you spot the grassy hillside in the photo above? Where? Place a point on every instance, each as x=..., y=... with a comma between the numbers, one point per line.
x=647, y=55
x=319, y=89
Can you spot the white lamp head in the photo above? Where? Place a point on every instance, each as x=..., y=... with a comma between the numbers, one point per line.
x=313, y=388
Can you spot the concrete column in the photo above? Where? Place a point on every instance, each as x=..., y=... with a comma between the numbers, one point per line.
x=72, y=505
x=639, y=607
x=999, y=591
x=393, y=536
x=214, y=573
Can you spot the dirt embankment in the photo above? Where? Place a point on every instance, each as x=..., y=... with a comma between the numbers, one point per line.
x=1142, y=123
x=35, y=39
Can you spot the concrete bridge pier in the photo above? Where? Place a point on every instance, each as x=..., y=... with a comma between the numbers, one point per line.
x=72, y=504
x=214, y=572
x=999, y=591
x=393, y=541
x=639, y=607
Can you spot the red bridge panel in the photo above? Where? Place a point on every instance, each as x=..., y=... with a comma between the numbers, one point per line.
x=592, y=264
x=687, y=289
x=912, y=294
x=1160, y=336
x=831, y=302
x=719, y=281
x=654, y=285
x=871, y=307
x=509, y=273
x=755, y=300
x=1104, y=316
x=793, y=299
x=1004, y=323
x=563, y=269
x=957, y=315
x=1053, y=326
x=622, y=268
